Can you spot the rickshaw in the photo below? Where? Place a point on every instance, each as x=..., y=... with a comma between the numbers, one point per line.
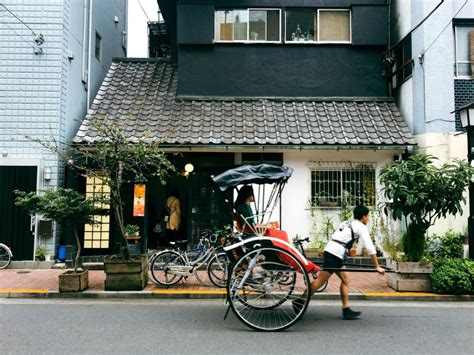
x=266, y=271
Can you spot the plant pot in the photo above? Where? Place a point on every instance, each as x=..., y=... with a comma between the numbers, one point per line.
x=410, y=276
x=353, y=252
x=123, y=275
x=71, y=281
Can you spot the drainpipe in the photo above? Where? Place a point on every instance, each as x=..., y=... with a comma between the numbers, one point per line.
x=85, y=41
x=91, y=6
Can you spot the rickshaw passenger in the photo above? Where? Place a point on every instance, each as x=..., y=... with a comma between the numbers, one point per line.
x=335, y=253
x=242, y=206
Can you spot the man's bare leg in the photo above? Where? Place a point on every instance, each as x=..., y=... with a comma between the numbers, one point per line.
x=323, y=276
x=344, y=289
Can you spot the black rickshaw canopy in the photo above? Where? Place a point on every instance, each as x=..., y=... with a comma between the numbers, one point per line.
x=252, y=174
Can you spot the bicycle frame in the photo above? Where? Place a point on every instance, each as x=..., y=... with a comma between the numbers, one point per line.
x=191, y=266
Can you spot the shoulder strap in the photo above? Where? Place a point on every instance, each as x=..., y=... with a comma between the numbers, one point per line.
x=348, y=245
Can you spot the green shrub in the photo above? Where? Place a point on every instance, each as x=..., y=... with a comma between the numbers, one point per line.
x=447, y=246
x=453, y=276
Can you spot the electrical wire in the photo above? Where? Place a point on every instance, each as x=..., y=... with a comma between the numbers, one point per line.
x=19, y=19
x=144, y=11
x=444, y=29
x=19, y=35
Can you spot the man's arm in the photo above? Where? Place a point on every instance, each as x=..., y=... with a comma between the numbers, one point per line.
x=375, y=262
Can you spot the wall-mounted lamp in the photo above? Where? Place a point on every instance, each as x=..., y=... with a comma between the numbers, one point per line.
x=47, y=173
x=4, y=153
x=188, y=169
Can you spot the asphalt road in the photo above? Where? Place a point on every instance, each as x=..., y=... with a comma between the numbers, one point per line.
x=198, y=327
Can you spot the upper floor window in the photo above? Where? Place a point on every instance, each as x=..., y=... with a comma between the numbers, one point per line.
x=403, y=62
x=248, y=25
x=322, y=26
x=463, y=51
x=98, y=47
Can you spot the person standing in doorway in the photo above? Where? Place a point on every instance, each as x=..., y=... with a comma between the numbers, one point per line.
x=173, y=223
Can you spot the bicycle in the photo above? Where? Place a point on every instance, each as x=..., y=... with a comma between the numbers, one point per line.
x=5, y=256
x=168, y=267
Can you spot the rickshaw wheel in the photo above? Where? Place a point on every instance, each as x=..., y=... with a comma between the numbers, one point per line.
x=260, y=292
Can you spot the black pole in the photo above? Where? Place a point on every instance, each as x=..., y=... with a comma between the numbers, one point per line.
x=470, y=221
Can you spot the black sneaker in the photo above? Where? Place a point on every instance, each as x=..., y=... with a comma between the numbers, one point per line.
x=298, y=305
x=348, y=314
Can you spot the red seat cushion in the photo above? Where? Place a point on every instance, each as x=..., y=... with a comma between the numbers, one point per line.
x=282, y=235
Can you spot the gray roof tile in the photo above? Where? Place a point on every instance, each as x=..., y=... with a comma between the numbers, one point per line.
x=142, y=93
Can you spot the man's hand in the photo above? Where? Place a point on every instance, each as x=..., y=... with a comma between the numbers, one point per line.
x=380, y=270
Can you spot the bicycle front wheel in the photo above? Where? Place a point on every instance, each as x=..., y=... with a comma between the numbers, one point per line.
x=167, y=268
x=217, y=270
x=5, y=258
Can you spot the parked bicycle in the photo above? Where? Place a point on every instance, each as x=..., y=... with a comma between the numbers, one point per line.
x=170, y=266
x=5, y=256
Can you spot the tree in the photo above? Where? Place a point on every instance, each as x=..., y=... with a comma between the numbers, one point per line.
x=116, y=159
x=64, y=206
x=420, y=192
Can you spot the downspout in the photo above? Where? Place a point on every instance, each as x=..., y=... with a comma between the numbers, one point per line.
x=85, y=40
x=91, y=6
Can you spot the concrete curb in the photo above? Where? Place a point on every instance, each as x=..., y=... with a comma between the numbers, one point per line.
x=220, y=294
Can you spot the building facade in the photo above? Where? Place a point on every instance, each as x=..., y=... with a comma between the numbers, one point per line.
x=299, y=83
x=431, y=61
x=53, y=57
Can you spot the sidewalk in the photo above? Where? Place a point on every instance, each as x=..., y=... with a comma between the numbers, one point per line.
x=16, y=283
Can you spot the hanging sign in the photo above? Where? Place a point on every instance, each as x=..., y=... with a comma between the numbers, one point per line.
x=139, y=200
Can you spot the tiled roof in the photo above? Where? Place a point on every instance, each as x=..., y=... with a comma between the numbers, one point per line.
x=142, y=93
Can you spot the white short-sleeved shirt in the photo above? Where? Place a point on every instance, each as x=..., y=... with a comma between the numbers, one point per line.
x=343, y=234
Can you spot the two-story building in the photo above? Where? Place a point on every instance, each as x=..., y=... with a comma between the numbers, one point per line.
x=53, y=58
x=299, y=83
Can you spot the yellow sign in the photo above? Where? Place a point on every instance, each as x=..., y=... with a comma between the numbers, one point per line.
x=139, y=200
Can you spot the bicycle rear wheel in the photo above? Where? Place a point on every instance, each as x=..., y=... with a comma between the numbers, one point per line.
x=5, y=258
x=167, y=267
x=261, y=289
x=217, y=270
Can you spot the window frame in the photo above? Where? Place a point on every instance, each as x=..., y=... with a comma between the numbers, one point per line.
x=316, y=15
x=247, y=41
x=98, y=36
x=339, y=170
x=456, y=76
x=350, y=26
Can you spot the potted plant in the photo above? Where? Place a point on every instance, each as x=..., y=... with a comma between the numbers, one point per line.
x=41, y=253
x=131, y=231
x=418, y=193
x=65, y=207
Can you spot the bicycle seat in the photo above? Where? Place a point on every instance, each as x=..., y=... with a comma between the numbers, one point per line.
x=179, y=242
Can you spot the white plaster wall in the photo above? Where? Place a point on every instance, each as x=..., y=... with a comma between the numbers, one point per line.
x=405, y=102
x=296, y=218
x=447, y=147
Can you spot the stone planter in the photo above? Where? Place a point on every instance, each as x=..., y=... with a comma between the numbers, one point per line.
x=126, y=275
x=71, y=281
x=313, y=252
x=410, y=276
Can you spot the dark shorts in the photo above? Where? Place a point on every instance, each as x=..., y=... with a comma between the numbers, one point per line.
x=332, y=262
